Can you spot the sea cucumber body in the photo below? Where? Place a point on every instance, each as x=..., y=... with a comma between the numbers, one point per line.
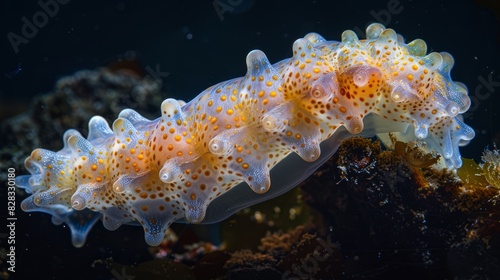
x=159, y=171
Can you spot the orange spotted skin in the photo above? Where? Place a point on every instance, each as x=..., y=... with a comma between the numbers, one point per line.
x=156, y=172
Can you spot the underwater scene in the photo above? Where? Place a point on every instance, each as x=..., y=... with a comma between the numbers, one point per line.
x=245, y=139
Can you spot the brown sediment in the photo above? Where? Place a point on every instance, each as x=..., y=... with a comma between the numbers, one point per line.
x=280, y=243
x=390, y=208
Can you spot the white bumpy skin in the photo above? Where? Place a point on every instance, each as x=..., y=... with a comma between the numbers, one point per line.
x=156, y=172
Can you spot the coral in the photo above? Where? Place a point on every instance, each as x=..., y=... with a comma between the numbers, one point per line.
x=388, y=209
x=491, y=167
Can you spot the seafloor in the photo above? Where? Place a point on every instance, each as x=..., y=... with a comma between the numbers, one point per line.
x=370, y=212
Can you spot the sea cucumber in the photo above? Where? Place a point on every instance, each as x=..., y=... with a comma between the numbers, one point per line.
x=192, y=163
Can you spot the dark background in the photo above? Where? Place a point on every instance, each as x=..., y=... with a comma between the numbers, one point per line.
x=199, y=46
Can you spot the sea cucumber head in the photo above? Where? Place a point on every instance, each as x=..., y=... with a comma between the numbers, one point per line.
x=417, y=89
